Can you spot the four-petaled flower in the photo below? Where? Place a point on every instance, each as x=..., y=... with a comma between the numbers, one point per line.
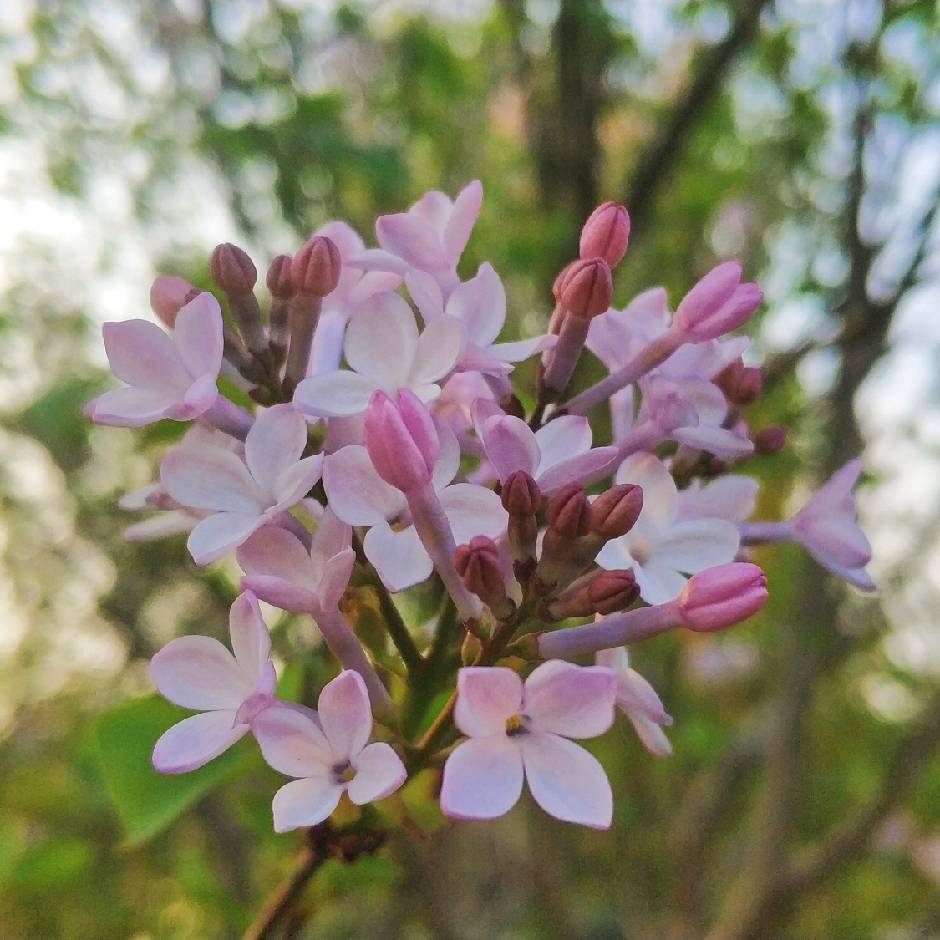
x=198, y=672
x=242, y=495
x=517, y=731
x=328, y=753
x=167, y=377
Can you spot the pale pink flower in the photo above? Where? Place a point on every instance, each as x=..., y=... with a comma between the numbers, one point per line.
x=385, y=353
x=242, y=495
x=726, y=497
x=554, y=456
x=329, y=754
x=638, y=700
x=717, y=304
x=167, y=377
x=355, y=287
x=479, y=306
x=720, y=597
x=359, y=496
x=520, y=731
x=430, y=236
x=661, y=548
x=198, y=672
x=827, y=527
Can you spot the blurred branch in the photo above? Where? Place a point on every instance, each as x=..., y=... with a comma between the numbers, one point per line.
x=657, y=161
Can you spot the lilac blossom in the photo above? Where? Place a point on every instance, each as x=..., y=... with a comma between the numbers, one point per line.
x=229, y=691
x=517, y=731
x=328, y=755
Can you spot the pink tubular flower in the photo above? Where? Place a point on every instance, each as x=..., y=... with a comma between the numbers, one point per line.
x=606, y=233
x=329, y=755
x=518, y=731
x=638, y=700
x=198, y=672
x=168, y=296
x=827, y=527
x=554, y=456
x=722, y=596
x=717, y=304
x=479, y=306
x=166, y=377
x=401, y=440
x=242, y=495
x=384, y=352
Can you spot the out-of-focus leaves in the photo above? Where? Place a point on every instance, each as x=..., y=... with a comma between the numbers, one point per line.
x=148, y=802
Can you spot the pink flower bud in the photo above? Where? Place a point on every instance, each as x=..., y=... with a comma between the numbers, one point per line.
x=520, y=494
x=168, y=296
x=478, y=563
x=722, y=596
x=279, y=278
x=769, y=440
x=232, y=270
x=741, y=384
x=569, y=512
x=561, y=280
x=604, y=593
x=717, y=304
x=316, y=267
x=606, y=233
x=615, y=512
x=401, y=440
x=587, y=289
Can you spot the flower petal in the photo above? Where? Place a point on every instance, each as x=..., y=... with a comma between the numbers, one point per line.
x=567, y=781
x=582, y=468
x=576, y=701
x=658, y=583
x=305, y=802
x=521, y=349
x=345, y=714
x=142, y=355
x=209, y=478
x=473, y=510
x=697, y=544
x=480, y=305
x=561, y=439
x=411, y=239
x=335, y=577
x=486, y=697
x=220, y=534
x=382, y=340
x=482, y=778
x=292, y=742
x=426, y=293
x=275, y=552
x=660, y=498
x=333, y=394
x=251, y=640
x=399, y=557
x=729, y=497
x=295, y=481
x=437, y=352
x=379, y=773
x=356, y=493
x=510, y=445
x=131, y=407
x=463, y=217
x=273, y=445
x=195, y=741
x=198, y=672
x=197, y=334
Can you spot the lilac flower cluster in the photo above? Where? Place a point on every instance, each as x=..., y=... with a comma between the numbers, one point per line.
x=386, y=445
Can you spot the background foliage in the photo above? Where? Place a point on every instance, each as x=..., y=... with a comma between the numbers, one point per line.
x=803, y=800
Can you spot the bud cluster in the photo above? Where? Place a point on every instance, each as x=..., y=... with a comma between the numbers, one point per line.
x=387, y=446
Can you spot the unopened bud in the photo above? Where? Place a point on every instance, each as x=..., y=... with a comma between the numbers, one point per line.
x=615, y=512
x=587, y=289
x=769, y=440
x=606, y=233
x=568, y=512
x=316, y=267
x=741, y=384
x=717, y=304
x=604, y=592
x=722, y=596
x=401, y=439
x=232, y=270
x=520, y=494
x=279, y=279
x=478, y=563
x=561, y=280
x=168, y=295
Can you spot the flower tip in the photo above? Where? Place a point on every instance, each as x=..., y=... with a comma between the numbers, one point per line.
x=722, y=596
x=232, y=270
x=606, y=233
x=168, y=294
x=278, y=278
x=587, y=288
x=316, y=267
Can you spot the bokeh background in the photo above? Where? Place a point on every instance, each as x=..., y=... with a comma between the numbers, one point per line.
x=803, y=799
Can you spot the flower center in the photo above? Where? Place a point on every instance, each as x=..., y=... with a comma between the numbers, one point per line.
x=343, y=772
x=516, y=725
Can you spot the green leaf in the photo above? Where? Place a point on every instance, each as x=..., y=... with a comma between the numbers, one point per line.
x=148, y=802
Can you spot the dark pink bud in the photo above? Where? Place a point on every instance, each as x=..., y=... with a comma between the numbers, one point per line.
x=717, y=304
x=478, y=564
x=614, y=512
x=606, y=233
x=769, y=440
x=232, y=269
x=587, y=289
x=561, y=280
x=741, y=384
x=520, y=494
x=316, y=267
x=401, y=440
x=723, y=596
x=168, y=295
x=611, y=591
x=279, y=278
x=569, y=512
